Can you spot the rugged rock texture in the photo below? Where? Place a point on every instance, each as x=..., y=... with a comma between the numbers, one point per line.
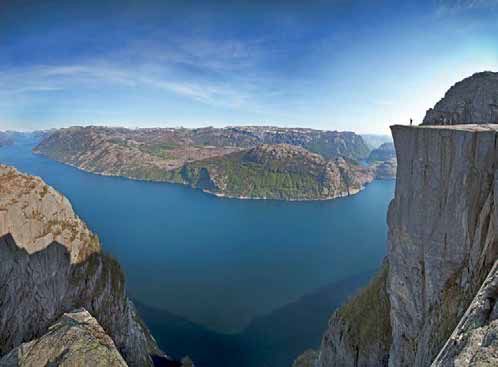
x=75, y=340
x=276, y=171
x=441, y=241
x=37, y=215
x=359, y=333
x=472, y=101
x=474, y=343
x=52, y=264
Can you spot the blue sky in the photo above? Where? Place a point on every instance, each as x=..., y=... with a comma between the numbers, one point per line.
x=338, y=65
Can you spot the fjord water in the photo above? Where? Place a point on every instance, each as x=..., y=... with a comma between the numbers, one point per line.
x=220, y=263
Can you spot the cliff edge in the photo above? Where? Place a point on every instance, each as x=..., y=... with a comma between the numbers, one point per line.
x=52, y=264
x=441, y=247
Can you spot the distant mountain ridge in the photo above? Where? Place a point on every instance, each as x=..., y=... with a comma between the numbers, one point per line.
x=5, y=139
x=376, y=140
x=173, y=155
x=275, y=171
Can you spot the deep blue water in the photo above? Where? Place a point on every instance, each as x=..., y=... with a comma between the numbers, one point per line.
x=219, y=262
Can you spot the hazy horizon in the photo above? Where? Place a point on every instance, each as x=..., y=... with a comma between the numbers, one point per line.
x=329, y=65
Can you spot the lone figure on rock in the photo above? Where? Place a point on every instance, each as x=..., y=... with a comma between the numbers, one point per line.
x=411, y=122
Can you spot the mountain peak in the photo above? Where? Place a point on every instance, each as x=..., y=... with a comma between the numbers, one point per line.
x=474, y=100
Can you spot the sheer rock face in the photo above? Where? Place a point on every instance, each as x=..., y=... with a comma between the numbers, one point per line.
x=441, y=247
x=474, y=100
x=441, y=241
x=52, y=264
x=474, y=342
x=76, y=339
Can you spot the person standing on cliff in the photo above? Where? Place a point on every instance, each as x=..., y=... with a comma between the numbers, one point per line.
x=411, y=122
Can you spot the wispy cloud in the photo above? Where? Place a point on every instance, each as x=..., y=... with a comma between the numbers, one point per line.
x=223, y=73
x=48, y=79
x=448, y=7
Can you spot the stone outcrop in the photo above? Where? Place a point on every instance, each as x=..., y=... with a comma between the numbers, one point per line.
x=76, y=339
x=36, y=215
x=52, y=264
x=473, y=100
x=441, y=247
x=474, y=343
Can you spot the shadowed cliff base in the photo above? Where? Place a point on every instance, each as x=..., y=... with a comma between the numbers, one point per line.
x=36, y=289
x=273, y=340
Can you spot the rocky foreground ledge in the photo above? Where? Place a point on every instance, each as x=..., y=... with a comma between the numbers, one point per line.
x=442, y=246
x=76, y=339
x=52, y=264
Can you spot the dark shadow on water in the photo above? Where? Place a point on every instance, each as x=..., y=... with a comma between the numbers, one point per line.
x=274, y=340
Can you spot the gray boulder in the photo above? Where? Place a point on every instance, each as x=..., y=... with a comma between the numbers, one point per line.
x=75, y=340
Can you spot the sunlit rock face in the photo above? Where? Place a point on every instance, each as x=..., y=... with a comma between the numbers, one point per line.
x=36, y=215
x=51, y=263
x=473, y=100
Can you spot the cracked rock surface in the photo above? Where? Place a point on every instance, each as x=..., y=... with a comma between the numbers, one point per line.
x=473, y=100
x=76, y=339
x=474, y=343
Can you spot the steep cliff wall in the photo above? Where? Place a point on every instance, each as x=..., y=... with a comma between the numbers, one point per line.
x=52, y=264
x=442, y=225
x=474, y=343
x=441, y=246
